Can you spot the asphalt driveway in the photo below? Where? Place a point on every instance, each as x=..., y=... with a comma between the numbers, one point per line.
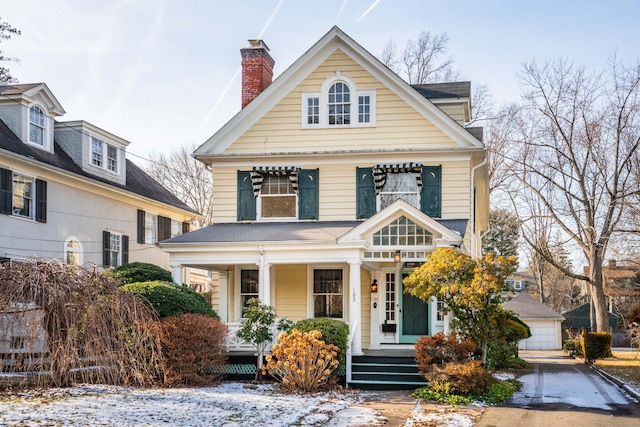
x=564, y=392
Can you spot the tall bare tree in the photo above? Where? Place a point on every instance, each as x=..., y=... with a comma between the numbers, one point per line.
x=573, y=159
x=185, y=177
x=421, y=61
x=6, y=32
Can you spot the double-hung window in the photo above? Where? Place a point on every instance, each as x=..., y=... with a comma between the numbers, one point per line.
x=36, y=125
x=381, y=185
x=339, y=103
x=153, y=228
x=104, y=155
x=328, y=293
x=278, y=193
x=115, y=249
x=23, y=196
x=401, y=185
x=248, y=286
x=277, y=197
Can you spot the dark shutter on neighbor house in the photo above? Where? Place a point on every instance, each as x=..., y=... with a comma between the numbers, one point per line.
x=6, y=190
x=125, y=250
x=140, y=231
x=246, y=205
x=106, y=246
x=185, y=227
x=164, y=228
x=431, y=195
x=365, y=193
x=41, y=200
x=308, y=194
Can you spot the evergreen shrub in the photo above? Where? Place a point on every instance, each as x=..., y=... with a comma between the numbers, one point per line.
x=168, y=299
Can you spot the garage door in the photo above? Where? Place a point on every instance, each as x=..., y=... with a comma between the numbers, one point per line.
x=544, y=336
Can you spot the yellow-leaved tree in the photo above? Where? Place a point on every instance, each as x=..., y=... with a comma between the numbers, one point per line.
x=471, y=289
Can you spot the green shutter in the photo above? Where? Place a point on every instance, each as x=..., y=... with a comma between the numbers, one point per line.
x=106, y=246
x=125, y=250
x=164, y=228
x=431, y=195
x=365, y=193
x=41, y=200
x=140, y=233
x=6, y=190
x=246, y=201
x=308, y=194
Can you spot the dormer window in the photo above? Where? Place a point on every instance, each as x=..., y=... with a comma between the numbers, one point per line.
x=101, y=151
x=333, y=105
x=36, y=125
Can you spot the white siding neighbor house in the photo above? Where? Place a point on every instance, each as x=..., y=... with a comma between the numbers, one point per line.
x=67, y=190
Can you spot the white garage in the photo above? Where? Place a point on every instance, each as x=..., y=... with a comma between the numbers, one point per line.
x=544, y=323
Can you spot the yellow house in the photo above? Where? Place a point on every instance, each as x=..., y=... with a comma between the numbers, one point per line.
x=331, y=184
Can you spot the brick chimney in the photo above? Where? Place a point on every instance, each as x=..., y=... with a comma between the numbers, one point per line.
x=613, y=263
x=257, y=70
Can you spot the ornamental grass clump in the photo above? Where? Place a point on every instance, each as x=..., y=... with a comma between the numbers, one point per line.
x=301, y=361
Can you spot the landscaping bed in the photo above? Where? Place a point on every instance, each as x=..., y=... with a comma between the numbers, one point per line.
x=624, y=365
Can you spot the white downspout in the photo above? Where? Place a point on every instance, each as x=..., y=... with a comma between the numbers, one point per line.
x=473, y=209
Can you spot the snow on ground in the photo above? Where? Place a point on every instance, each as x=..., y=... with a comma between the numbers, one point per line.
x=228, y=405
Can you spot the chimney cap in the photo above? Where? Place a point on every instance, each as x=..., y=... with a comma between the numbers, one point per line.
x=258, y=44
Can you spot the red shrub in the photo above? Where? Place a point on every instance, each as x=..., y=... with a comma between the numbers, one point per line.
x=441, y=349
x=192, y=344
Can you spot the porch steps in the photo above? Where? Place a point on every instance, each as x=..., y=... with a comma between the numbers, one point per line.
x=385, y=373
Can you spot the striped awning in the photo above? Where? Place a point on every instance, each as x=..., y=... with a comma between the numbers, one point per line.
x=258, y=173
x=380, y=172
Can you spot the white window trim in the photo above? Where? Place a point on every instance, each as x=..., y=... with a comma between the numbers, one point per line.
x=324, y=109
x=155, y=228
x=345, y=288
x=237, y=296
x=105, y=158
x=119, y=263
x=271, y=218
x=379, y=195
x=46, y=139
x=32, y=208
x=79, y=251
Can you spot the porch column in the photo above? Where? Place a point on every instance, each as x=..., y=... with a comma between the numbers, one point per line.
x=223, y=292
x=355, y=310
x=176, y=273
x=264, y=280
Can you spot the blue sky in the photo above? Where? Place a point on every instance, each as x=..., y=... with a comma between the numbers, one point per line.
x=160, y=73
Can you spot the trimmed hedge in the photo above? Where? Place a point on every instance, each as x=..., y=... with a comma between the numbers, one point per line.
x=333, y=331
x=596, y=345
x=168, y=299
x=140, y=272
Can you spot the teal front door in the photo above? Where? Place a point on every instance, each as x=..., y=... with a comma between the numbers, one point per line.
x=414, y=316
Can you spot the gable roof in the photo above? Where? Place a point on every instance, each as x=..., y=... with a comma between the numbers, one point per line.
x=401, y=207
x=27, y=90
x=529, y=308
x=335, y=39
x=137, y=181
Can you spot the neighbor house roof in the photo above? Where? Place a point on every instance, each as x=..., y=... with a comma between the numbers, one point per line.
x=529, y=308
x=444, y=90
x=137, y=181
x=282, y=231
x=17, y=88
